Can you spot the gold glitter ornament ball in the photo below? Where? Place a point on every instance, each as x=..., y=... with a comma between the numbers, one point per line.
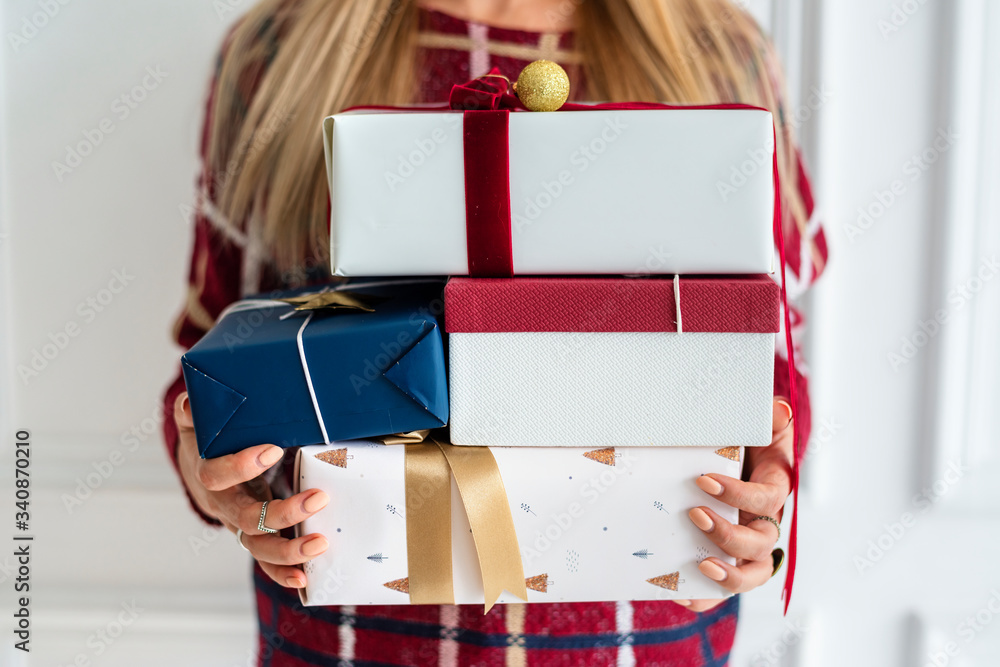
x=543, y=86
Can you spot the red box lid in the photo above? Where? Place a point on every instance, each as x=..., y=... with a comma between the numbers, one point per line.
x=726, y=304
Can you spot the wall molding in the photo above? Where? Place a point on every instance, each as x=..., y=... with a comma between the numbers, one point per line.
x=955, y=239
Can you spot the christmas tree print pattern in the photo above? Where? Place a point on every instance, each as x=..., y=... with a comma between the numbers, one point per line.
x=605, y=456
x=668, y=581
x=401, y=585
x=538, y=583
x=731, y=453
x=378, y=558
x=572, y=560
x=335, y=457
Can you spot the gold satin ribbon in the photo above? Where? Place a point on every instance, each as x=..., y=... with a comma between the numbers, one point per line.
x=428, y=525
x=429, y=466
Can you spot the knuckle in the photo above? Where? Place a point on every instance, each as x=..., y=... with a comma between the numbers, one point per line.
x=248, y=517
x=290, y=552
x=206, y=477
x=278, y=513
x=759, y=499
x=726, y=536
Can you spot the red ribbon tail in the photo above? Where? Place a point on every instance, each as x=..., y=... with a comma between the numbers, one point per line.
x=792, y=389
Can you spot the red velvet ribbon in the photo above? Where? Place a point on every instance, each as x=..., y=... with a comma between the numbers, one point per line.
x=487, y=103
x=487, y=194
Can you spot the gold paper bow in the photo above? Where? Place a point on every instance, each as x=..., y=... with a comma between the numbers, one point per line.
x=340, y=300
x=429, y=466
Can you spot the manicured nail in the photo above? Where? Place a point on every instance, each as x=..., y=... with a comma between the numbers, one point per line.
x=315, y=502
x=712, y=571
x=184, y=403
x=701, y=519
x=294, y=582
x=269, y=457
x=683, y=603
x=314, y=547
x=709, y=485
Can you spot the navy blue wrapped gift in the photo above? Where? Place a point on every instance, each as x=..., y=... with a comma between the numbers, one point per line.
x=358, y=360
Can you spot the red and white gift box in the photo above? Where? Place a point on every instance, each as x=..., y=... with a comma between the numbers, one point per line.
x=612, y=362
x=590, y=191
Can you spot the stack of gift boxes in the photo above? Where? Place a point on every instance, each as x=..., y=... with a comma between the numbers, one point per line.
x=609, y=336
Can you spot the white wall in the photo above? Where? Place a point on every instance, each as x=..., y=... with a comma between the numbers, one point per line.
x=893, y=432
x=897, y=552
x=118, y=210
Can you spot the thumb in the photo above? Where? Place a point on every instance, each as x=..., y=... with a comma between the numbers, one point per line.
x=182, y=413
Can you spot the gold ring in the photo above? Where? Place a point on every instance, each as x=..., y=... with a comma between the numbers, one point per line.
x=771, y=519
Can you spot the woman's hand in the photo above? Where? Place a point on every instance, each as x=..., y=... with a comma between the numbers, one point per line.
x=231, y=489
x=752, y=541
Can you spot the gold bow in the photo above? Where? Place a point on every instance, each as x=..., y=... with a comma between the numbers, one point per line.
x=429, y=466
x=339, y=300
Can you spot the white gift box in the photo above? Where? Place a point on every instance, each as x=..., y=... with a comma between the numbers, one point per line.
x=588, y=362
x=592, y=525
x=660, y=191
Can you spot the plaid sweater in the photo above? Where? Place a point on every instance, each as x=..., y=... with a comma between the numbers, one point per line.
x=227, y=263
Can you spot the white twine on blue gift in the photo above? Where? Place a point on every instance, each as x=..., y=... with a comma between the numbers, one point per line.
x=254, y=304
x=677, y=302
x=309, y=380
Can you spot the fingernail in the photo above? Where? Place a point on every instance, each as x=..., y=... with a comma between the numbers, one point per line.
x=294, y=582
x=315, y=502
x=712, y=571
x=314, y=547
x=269, y=457
x=709, y=485
x=701, y=519
x=184, y=403
x=787, y=407
x=683, y=603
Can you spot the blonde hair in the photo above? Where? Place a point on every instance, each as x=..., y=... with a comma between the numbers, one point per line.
x=312, y=58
